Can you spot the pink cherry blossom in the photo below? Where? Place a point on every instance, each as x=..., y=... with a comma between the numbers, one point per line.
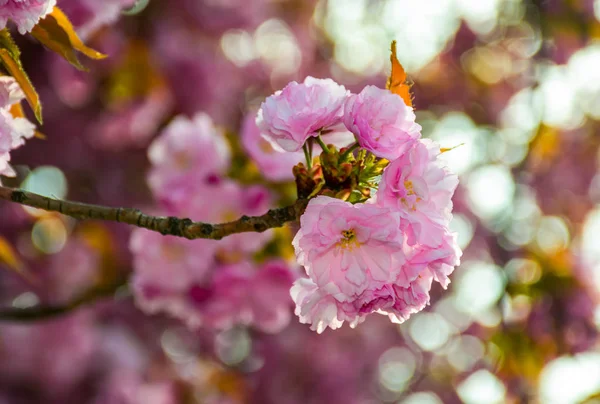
x=319, y=307
x=273, y=163
x=299, y=111
x=381, y=121
x=13, y=131
x=352, y=246
x=24, y=13
x=420, y=187
x=188, y=153
x=358, y=263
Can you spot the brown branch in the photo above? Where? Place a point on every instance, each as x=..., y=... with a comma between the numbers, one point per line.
x=174, y=226
x=36, y=313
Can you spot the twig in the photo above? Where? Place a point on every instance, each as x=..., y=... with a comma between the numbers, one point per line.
x=36, y=313
x=174, y=226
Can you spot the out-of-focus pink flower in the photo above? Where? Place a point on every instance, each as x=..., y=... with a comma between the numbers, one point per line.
x=24, y=13
x=274, y=164
x=243, y=294
x=381, y=121
x=420, y=187
x=358, y=263
x=13, y=131
x=89, y=15
x=133, y=124
x=166, y=265
x=218, y=16
x=226, y=201
x=72, y=271
x=53, y=356
x=299, y=111
x=188, y=153
x=126, y=387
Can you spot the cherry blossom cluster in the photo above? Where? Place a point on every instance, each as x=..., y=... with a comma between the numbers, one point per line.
x=24, y=13
x=383, y=254
x=13, y=129
x=207, y=283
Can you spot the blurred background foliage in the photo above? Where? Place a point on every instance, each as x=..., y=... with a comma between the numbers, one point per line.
x=516, y=81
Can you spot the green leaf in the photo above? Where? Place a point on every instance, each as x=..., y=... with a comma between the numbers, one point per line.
x=56, y=32
x=10, y=57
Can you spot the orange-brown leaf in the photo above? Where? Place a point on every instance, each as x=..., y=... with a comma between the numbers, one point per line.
x=447, y=149
x=56, y=32
x=16, y=110
x=8, y=256
x=398, y=82
x=10, y=57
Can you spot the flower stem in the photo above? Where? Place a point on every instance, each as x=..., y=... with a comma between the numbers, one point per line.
x=322, y=143
x=350, y=150
x=307, y=156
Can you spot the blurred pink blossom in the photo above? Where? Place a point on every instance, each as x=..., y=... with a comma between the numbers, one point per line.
x=24, y=13
x=243, y=294
x=13, y=131
x=274, y=164
x=72, y=271
x=420, y=187
x=132, y=124
x=382, y=122
x=290, y=116
x=89, y=15
x=167, y=263
x=187, y=153
x=53, y=355
x=126, y=387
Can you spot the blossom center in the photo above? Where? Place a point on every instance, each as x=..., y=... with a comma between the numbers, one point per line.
x=411, y=198
x=348, y=241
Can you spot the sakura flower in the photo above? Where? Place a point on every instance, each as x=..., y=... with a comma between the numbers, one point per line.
x=381, y=121
x=274, y=164
x=187, y=153
x=352, y=246
x=299, y=111
x=319, y=307
x=420, y=187
x=358, y=264
x=13, y=130
x=24, y=13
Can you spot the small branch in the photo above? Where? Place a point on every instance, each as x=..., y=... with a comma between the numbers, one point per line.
x=48, y=312
x=174, y=226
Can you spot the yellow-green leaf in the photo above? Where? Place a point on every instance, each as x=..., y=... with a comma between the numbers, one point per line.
x=56, y=32
x=10, y=57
